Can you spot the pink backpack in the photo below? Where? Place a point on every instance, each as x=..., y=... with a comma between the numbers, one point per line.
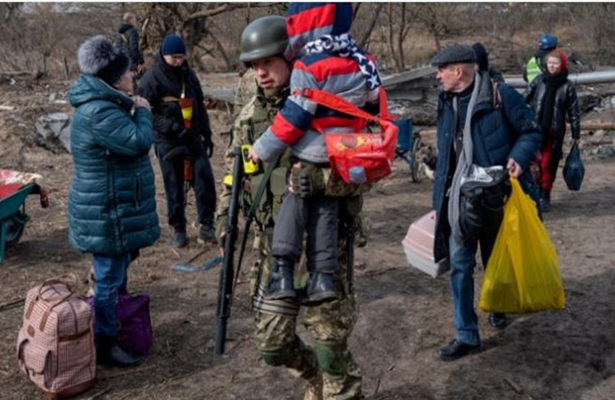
x=55, y=346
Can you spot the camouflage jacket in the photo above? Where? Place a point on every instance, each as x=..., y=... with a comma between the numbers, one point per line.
x=253, y=120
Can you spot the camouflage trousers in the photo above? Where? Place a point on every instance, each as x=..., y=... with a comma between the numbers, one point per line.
x=330, y=325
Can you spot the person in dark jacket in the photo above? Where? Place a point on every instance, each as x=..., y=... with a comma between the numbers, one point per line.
x=128, y=40
x=554, y=99
x=183, y=137
x=111, y=202
x=473, y=129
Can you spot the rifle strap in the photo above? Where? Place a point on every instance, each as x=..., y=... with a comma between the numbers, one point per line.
x=262, y=187
x=253, y=207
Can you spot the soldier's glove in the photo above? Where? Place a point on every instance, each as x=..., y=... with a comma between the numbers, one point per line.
x=307, y=180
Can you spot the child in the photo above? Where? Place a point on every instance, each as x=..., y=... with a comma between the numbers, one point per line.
x=326, y=58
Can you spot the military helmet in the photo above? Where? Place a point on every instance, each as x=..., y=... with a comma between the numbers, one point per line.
x=263, y=37
x=547, y=41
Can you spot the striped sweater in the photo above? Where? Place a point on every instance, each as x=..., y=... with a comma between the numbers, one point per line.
x=301, y=123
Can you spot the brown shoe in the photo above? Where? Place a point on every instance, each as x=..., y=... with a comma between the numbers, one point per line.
x=313, y=390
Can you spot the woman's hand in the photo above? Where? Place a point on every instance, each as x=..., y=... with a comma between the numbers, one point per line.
x=142, y=102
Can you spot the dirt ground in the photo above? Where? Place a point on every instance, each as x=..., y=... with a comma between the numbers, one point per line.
x=405, y=315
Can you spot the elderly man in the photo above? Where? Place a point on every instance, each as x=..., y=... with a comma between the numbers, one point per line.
x=476, y=126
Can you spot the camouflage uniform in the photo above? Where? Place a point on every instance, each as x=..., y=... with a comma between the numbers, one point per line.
x=330, y=323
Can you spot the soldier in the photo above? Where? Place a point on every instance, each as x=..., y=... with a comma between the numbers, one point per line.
x=328, y=367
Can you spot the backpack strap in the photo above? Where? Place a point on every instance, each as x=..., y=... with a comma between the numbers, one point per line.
x=340, y=104
x=497, y=97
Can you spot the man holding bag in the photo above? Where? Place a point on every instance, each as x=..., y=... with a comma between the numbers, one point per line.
x=480, y=123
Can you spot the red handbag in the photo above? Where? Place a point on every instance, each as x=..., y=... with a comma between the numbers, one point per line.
x=358, y=157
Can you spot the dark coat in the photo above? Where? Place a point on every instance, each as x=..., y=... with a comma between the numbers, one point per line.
x=111, y=203
x=499, y=132
x=566, y=107
x=128, y=41
x=164, y=81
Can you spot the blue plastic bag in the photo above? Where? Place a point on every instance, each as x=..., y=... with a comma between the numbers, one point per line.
x=574, y=170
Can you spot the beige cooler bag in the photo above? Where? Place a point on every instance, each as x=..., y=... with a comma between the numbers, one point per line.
x=55, y=346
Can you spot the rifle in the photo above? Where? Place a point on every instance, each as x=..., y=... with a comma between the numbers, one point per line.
x=225, y=289
x=225, y=294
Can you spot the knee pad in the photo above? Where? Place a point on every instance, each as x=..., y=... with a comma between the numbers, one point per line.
x=275, y=357
x=332, y=358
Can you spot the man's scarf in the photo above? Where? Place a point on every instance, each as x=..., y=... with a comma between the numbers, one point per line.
x=466, y=159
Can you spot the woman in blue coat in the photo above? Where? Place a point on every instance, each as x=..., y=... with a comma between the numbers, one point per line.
x=111, y=204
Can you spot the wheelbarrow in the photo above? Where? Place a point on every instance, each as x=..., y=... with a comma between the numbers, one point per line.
x=15, y=186
x=408, y=145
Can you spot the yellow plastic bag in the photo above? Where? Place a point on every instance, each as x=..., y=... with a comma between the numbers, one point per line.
x=522, y=274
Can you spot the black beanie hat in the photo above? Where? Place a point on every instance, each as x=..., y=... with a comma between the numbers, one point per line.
x=98, y=56
x=173, y=44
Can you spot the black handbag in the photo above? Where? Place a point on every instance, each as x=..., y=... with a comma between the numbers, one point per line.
x=574, y=170
x=483, y=194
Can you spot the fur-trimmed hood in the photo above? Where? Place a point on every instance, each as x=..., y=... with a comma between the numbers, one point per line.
x=98, y=56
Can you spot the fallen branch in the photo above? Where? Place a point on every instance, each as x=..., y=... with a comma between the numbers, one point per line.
x=514, y=386
x=12, y=304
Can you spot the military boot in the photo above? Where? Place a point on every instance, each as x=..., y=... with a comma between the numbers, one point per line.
x=281, y=284
x=313, y=389
x=322, y=287
x=108, y=352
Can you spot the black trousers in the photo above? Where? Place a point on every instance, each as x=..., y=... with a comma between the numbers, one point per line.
x=203, y=183
x=318, y=216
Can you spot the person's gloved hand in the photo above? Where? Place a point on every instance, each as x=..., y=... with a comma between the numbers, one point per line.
x=306, y=180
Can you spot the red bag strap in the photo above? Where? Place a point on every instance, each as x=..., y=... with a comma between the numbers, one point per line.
x=384, y=107
x=340, y=104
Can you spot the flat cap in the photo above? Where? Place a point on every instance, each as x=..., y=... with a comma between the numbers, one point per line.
x=454, y=54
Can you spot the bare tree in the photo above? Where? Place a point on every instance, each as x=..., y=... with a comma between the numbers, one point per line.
x=365, y=22
x=437, y=18
x=400, y=19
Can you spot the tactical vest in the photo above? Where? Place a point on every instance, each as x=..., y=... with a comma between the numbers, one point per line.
x=532, y=70
x=262, y=118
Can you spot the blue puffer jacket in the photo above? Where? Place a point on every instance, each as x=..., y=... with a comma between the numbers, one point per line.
x=111, y=203
x=500, y=130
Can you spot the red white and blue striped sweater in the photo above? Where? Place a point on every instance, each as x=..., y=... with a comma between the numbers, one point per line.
x=301, y=123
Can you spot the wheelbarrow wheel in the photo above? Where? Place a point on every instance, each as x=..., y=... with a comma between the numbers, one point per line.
x=14, y=228
x=418, y=167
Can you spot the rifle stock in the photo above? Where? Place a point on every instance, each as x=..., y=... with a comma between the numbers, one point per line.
x=225, y=289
